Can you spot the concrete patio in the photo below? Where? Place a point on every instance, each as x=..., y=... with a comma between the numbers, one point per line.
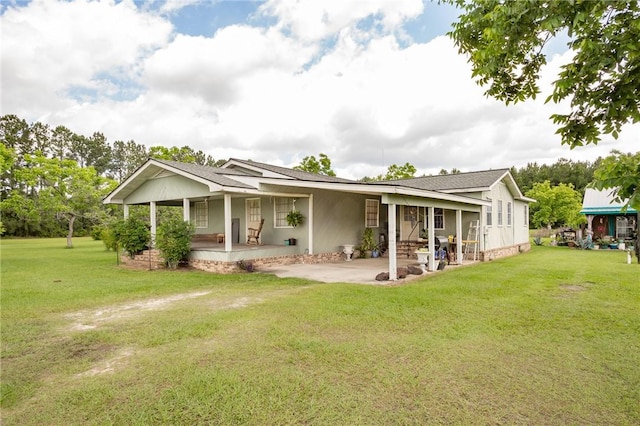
x=361, y=271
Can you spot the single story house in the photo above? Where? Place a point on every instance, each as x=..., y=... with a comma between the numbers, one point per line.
x=485, y=211
x=605, y=218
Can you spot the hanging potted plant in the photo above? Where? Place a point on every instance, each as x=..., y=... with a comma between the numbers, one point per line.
x=295, y=218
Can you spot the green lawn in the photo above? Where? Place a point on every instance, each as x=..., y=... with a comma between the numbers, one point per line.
x=547, y=337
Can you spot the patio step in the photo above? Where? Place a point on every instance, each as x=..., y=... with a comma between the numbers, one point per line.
x=406, y=249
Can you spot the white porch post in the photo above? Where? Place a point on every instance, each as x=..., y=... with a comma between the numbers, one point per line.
x=227, y=222
x=152, y=220
x=310, y=224
x=590, y=222
x=393, y=263
x=186, y=212
x=459, y=236
x=126, y=211
x=432, y=239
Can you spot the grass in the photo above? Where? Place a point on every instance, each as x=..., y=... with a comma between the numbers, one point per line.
x=551, y=336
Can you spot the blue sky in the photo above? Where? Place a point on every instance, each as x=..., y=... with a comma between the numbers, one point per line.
x=205, y=17
x=370, y=83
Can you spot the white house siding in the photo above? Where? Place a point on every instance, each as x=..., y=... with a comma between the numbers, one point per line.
x=496, y=236
x=339, y=218
x=521, y=226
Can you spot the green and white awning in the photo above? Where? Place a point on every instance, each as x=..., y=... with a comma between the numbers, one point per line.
x=601, y=202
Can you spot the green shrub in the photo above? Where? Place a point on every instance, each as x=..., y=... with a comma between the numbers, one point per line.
x=96, y=232
x=132, y=235
x=109, y=239
x=174, y=240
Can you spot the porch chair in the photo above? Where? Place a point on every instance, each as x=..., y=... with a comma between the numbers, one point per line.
x=254, y=233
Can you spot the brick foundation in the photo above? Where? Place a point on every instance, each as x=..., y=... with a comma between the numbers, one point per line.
x=231, y=267
x=488, y=255
x=142, y=261
x=220, y=267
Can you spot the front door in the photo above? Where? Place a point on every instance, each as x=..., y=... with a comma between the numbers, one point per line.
x=600, y=226
x=409, y=226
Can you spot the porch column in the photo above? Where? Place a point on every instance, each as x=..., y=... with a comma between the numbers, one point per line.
x=186, y=212
x=227, y=222
x=459, y=236
x=393, y=263
x=126, y=211
x=432, y=240
x=310, y=224
x=152, y=220
x=590, y=222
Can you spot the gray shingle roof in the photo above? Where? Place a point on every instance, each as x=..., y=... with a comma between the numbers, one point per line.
x=212, y=174
x=471, y=180
x=294, y=174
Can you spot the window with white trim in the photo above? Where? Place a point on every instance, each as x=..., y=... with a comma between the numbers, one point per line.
x=371, y=213
x=202, y=214
x=438, y=219
x=253, y=209
x=526, y=215
x=509, y=207
x=499, y=212
x=489, y=215
x=282, y=208
x=410, y=214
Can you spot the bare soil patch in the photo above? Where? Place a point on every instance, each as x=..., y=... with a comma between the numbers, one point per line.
x=90, y=319
x=108, y=365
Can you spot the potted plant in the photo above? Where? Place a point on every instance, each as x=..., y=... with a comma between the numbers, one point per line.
x=295, y=218
x=368, y=243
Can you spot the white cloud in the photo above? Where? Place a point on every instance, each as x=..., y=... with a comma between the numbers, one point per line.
x=274, y=94
x=315, y=20
x=50, y=48
x=172, y=6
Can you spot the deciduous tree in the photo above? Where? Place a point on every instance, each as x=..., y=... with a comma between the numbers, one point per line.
x=505, y=39
x=555, y=205
x=63, y=190
x=321, y=166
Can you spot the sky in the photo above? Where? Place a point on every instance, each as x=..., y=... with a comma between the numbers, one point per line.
x=369, y=83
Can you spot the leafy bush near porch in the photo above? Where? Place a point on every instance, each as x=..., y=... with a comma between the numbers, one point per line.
x=174, y=240
x=132, y=234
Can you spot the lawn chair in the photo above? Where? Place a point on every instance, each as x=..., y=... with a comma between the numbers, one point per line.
x=254, y=234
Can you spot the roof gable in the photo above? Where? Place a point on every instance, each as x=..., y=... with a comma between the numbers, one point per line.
x=216, y=175
x=214, y=178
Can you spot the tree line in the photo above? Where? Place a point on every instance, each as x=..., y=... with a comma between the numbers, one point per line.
x=53, y=180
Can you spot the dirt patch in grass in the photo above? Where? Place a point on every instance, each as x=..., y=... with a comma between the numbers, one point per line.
x=569, y=290
x=91, y=319
x=573, y=287
x=108, y=365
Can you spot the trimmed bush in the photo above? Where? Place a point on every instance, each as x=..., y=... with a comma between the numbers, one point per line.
x=132, y=234
x=174, y=240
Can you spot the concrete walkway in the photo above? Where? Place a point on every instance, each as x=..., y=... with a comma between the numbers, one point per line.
x=362, y=271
